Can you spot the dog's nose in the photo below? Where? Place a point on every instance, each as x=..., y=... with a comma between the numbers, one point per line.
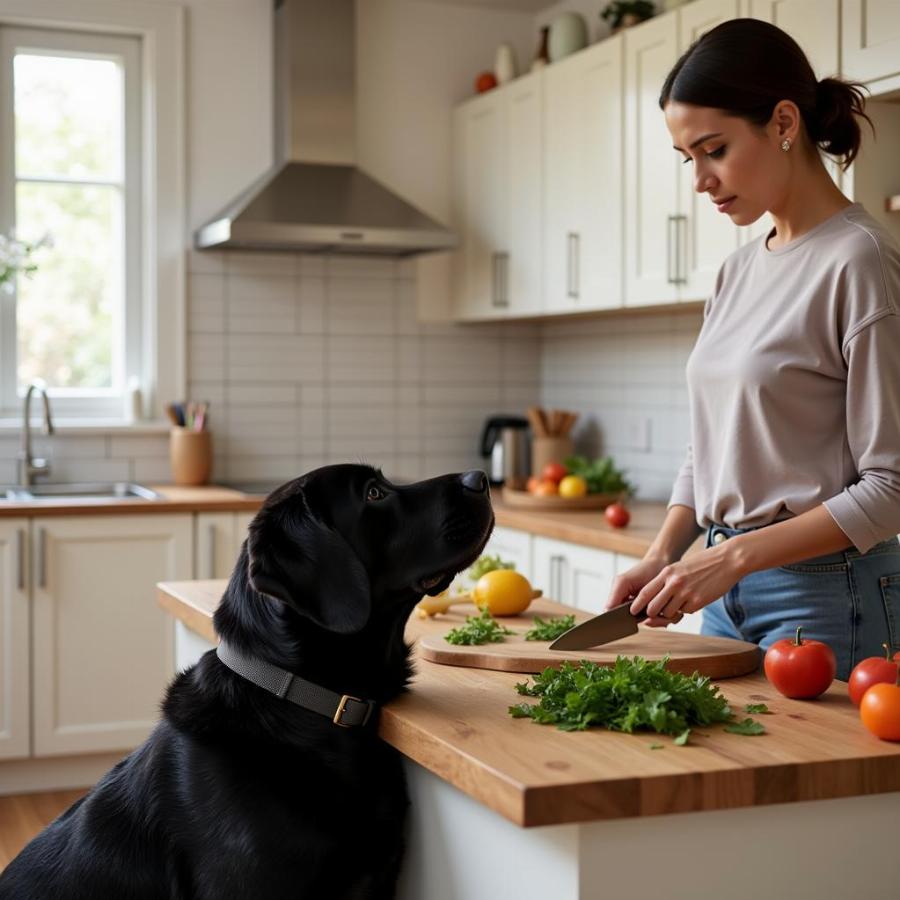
x=475, y=480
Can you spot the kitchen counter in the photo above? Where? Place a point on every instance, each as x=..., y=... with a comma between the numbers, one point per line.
x=454, y=722
x=577, y=810
x=587, y=527
x=175, y=498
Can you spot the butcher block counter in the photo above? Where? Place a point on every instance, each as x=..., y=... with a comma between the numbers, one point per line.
x=470, y=761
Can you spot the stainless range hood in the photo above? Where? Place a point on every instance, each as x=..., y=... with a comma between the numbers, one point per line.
x=315, y=198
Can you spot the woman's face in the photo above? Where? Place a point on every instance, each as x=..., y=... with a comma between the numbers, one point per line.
x=740, y=166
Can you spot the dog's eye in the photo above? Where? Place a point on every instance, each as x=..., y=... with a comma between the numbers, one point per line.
x=375, y=493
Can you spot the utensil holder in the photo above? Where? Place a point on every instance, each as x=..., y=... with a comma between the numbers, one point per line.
x=190, y=455
x=549, y=449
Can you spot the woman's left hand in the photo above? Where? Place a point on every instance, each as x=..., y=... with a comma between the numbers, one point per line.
x=688, y=585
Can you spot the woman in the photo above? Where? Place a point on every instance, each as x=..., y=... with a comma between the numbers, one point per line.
x=794, y=383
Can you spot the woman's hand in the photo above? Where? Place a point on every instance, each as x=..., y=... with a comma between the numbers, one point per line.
x=688, y=585
x=628, y=585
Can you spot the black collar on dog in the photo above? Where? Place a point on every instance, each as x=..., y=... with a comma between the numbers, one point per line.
x=342, y=709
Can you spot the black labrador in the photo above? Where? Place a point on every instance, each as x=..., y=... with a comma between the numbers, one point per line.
x=242, y=791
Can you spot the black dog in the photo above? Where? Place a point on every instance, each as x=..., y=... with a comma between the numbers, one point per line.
x=239, y=793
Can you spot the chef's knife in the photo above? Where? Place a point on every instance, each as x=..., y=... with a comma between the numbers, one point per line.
x=609, y=626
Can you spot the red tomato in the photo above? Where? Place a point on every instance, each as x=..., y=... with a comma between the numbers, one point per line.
x=554, y=471
x=872, y=670
x=800, y=669
x=879, y=710
x=617, y=515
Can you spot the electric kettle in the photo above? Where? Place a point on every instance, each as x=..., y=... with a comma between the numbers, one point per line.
x=505, y=440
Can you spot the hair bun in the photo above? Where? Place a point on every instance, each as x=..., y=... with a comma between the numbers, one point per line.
x=833, y=125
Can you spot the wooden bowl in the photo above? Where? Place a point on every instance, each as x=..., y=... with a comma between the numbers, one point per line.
x=526, y=500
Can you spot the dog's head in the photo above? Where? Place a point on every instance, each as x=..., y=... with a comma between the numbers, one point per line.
x=342, y=544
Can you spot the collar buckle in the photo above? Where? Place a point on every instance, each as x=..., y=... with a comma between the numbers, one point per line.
x=342, y=707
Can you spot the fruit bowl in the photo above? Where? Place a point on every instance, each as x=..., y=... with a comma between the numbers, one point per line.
x=527, y=500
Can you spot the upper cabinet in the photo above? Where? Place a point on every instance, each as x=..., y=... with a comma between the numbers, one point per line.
x=569, y=196
x=870, y=31
x=582, y=233
x=675, y=240
x=498, y=153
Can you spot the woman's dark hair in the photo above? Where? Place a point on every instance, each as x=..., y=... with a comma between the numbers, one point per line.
x=746, y=66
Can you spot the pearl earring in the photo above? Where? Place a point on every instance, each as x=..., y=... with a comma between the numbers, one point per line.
x=785, y=145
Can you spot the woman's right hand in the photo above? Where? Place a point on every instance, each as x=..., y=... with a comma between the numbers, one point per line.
x=626, y=586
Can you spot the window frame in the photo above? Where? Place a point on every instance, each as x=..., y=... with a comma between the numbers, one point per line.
x=162, y=334
x=127, y=365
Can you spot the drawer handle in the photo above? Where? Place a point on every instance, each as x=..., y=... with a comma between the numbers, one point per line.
x=20, y=559
x=42, y=557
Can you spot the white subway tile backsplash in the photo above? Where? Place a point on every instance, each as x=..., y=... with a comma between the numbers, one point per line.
x=311, y=358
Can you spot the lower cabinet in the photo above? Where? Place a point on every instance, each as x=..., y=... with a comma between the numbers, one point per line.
x=217, y=542
x=87, y=652
x=574, y=575
x=514, y=546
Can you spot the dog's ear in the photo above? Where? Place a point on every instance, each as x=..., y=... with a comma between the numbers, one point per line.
x=297, y=559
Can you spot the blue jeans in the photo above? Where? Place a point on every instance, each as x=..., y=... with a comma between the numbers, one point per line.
x=848, y=600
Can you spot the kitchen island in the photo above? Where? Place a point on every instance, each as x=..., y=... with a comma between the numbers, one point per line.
x=505, y=808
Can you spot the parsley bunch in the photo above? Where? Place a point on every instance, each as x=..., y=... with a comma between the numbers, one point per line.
x=483, y=629
x=549, y=630
x=634, y=693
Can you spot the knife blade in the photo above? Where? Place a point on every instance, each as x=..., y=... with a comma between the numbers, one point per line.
x=608, y=626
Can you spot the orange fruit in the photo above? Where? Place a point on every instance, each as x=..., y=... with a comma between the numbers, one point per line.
x=532, y=483
x=504, y=592
x=546, y=489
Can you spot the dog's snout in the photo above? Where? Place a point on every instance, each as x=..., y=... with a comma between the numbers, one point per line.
x=475, y=480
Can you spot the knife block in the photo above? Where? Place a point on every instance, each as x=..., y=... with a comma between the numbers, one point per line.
x=549, y=449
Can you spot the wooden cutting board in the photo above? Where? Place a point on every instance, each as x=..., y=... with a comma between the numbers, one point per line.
x=711, y=656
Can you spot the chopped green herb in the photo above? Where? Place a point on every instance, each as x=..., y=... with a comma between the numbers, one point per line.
x=483, y=629
x=748, y=726
x=758, y=708
x=551, y=629
x=657, y=746
x=487, y=563
x=634, y=693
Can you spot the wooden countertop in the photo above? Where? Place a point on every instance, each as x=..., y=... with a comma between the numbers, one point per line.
x=588, y=527
x=205, y=498
x=454, y=722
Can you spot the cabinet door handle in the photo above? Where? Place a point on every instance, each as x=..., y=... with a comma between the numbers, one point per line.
x=670, y=221
x=499, y=279
x=680, y=249
x=212, y=552
x=556, y=577
x=573, y=276
x=42, y=557
x=20, y=559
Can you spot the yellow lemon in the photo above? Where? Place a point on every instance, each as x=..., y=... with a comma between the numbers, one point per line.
x=504, y=592
x=572, y=486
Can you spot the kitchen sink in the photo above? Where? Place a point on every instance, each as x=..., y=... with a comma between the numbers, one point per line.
x=77, y=492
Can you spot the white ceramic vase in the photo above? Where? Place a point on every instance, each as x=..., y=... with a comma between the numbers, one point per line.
x=505, y=67
x=568, y=34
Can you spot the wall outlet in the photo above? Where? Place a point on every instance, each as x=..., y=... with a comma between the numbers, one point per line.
x=637, y=433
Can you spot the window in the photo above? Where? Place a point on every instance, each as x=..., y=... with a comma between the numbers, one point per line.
x=70, y=168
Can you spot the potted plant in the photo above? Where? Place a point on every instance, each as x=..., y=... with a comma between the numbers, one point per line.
x=623, y=13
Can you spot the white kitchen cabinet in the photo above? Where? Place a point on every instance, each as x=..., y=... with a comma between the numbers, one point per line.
x=870, y=39
x=14, y=644
x=514, y=546
x=217, y=542
x=583, y=191
x=102, y=648
x=675, y=240
x=572, y=574
x=498, y=141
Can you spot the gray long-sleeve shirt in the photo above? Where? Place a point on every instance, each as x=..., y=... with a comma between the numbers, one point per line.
x=794, y=384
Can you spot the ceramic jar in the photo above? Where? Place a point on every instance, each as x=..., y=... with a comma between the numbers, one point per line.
x=505, y=67
x=568, y=34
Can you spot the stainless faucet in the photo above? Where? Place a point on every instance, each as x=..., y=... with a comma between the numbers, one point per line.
x=28, y=465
